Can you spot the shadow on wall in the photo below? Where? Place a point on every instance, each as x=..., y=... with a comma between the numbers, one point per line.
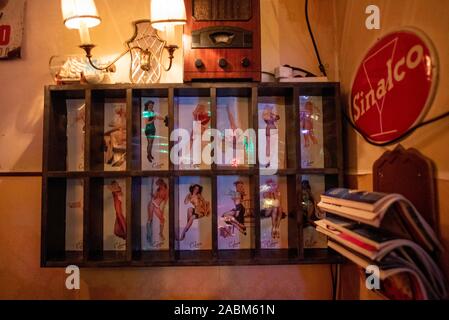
x=30, y=123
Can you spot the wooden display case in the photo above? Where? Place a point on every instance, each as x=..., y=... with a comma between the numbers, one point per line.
x=80, y=192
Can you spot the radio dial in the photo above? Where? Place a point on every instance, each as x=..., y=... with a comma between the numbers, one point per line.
x=246, y=63
x=223, y=63
x=199, y=63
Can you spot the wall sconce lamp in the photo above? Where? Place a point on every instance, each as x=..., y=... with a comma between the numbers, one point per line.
x=83, y=14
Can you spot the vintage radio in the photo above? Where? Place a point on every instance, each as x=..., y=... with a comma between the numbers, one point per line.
x=222, y=40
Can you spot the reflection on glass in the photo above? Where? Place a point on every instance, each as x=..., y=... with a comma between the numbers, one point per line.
x=232, y=122
x=76, y=122
x=193, y=111
x=311, y=124
x=312, y=187
x=272, y=120
x=74, y=215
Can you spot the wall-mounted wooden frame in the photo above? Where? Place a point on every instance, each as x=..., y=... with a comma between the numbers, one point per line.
x=57, y=179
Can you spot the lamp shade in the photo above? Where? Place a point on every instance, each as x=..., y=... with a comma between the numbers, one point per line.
x=80, y=13
x=167, y=13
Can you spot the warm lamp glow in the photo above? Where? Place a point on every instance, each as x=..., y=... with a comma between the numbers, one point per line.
x=166, y=13
x=79, y=12
x=82, y=15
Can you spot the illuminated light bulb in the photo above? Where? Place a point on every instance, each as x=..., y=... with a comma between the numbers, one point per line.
x=81, y=15
x=145, y=60
x=165, y=13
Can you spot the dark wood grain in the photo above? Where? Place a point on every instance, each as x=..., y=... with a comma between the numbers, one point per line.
x=56, y=208
x=233, y=56
x=136, y=212
x=95, y=219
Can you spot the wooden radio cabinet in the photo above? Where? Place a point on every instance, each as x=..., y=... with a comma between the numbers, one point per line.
x=222, y=40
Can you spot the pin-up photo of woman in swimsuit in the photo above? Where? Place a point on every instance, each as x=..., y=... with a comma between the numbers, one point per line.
x=236, y=216
x=200, y=207
x=115, y=139
x=150, y=127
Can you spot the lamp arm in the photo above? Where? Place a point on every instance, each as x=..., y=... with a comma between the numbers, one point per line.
x=109, y=67
x=171, y=55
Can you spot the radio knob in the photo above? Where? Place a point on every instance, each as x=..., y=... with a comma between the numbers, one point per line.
x=246, y=62
x=223, y=63
x=199, y=63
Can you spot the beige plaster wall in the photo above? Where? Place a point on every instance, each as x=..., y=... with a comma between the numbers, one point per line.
x=21, y=104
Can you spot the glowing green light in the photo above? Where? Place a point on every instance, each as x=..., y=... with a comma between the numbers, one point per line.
x=148, y=114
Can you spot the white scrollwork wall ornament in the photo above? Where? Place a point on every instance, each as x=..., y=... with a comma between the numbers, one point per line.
x=147, y=38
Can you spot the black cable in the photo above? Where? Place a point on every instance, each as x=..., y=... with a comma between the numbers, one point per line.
x=269, y=73
x=346, y=117
x=308, y=73
x=321, y=66
x=406, y=134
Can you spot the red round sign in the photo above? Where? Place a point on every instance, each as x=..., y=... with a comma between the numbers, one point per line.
x=394, y=86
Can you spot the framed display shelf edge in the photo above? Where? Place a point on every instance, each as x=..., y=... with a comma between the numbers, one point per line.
x=92, y=178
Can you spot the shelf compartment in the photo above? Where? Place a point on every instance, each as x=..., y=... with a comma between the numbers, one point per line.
x=236, y=213
x=63, y=218
x=191, y=106
x=109, y=219
x=194, y=212
x=151, y=115
x=278, y=214
x=151, y=219
x=275, y=109
x=233, y=119
x=65, y=131
x=312, y=186
x=108, y=130
x=319, y=119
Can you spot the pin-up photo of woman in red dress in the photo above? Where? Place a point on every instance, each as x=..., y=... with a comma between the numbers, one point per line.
x=120, y=221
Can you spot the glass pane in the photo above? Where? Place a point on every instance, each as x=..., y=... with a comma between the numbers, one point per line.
x=155, y=214
x=235, y=213
x=232, y=122
x=74, y=215
x=193, y=113
x=194, y=214
x=311, y=128
x=64, y=223
x=272, y=120
x=273, y=212
x=155, y=136
x=76, y=122
x=313, y=186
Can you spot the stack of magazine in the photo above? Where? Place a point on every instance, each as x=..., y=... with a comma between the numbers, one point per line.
x=385, y=230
